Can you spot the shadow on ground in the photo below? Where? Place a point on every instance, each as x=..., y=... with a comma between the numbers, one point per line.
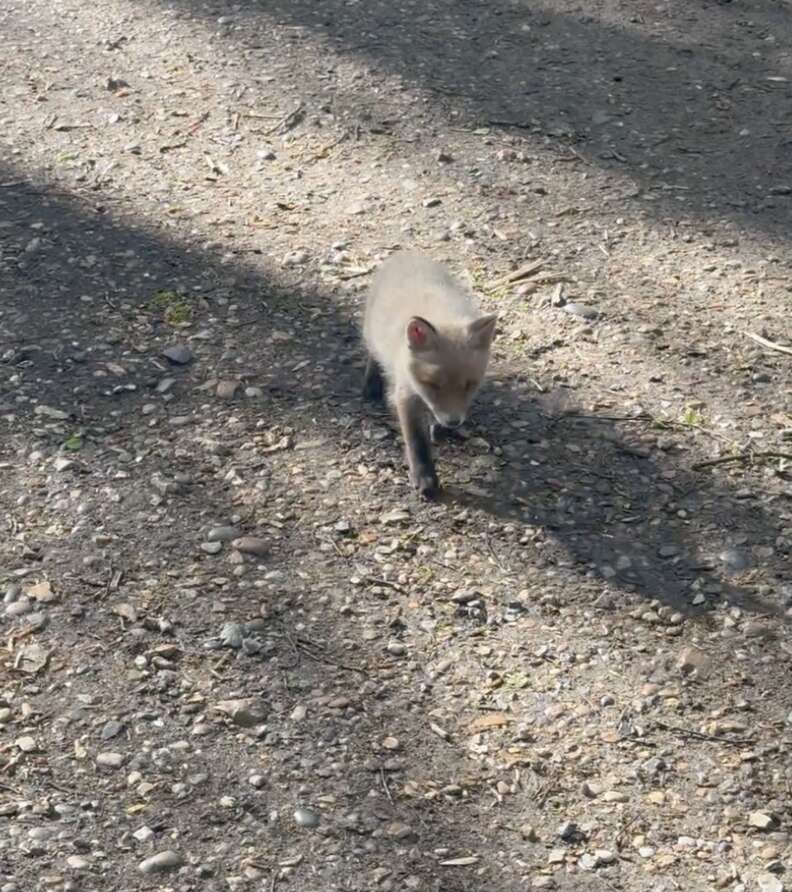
x=699, y=125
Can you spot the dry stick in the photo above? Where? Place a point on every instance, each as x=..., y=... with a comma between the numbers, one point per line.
x=742, y=457
x=771, y=345
x=284, y=120
x=698, y=735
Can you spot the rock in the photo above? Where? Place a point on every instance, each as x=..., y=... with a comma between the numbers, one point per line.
x=19, y=608
x=178, y=354
x=391, y=743
x=162, y=862
x=27, y=744
x=396, y=648
x=110, y=760
x=49, y=412
x=304, y=817
x=226, y=390
x=432, y=202
x=144, y=834
x=735, y=559
x=111, y=729
x=766, y=882
x=246, y=712
x=257, y=781
x=232, y=635
x=690, y=660
x=62, y=463
x=251, y=545
x=584, y=311
x=400, y=831
x=298, y=713
x=222, y=534
x=569, y=831
x=296, y=258
x=165, y=384
x=211, y=547
x=76, y=862
x=762, y=820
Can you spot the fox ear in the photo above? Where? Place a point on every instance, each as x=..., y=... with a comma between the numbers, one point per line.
x=481, y=331
x=420, y=334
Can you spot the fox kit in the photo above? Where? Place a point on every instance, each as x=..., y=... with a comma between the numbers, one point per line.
x=429, y=347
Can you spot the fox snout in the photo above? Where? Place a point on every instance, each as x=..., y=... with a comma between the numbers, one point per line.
x=450, y=421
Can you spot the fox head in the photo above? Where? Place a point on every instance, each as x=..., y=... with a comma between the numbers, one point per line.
x=446, y=365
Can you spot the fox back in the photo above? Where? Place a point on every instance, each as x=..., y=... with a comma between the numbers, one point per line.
x=426, y=334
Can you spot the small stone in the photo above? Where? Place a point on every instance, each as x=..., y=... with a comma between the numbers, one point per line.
x=222, y=534
x=615, y=796
x=391, y=743
x=49, y=412
x=144, y=834
x=247, y=713
x=232, y=635
x=432, y=202
x=582, y=310
x=766, y=882
x=735, y=559
x=165, y=384
x=27, y=744
x=690, y=660
x=178, y=354
x=569, y=831
x=161, y=862
x=62, y=463
x=668, y=551
x=257, y=781
x=396, y=648
x=401, y=831
x=762, y=820
x=226, y=390
x=211, y=547
x=111, y=729
x=528, y=833
x=76, y=862
x=19, y=608
x=251, y=545
x=305, y=817
x=296, y=258
x=110, y=760
x=298, y=713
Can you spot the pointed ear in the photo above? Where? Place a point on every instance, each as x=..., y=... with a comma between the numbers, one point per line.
x=481, y=331
x=421, y=334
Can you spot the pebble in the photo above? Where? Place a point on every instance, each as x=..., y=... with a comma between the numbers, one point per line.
x=298, y=713
x=144, y=834
x=396, y=648
x=257, y=781
x=251, y=545
x=110, y=760
x=76, y=862
x=212, y=547
x=232, y=635
x=762, y=820
x=111, y=729
x=584, y=311
x=246, y=712
x=296, y=258
x=161, y=862
x=226, y=390
x=305, y=817
x=27, y=744
x=735, y=559
x=19, y=608
x=178, y=354
x=769, y=883
x=222, y=534
x=691, y=659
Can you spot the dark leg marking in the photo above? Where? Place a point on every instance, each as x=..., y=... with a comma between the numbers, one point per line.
x=373, y=383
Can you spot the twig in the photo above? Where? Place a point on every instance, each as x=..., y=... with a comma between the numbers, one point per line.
x=284, y=121
x=520, y=125
x=393, y=585
x=771, y=345
x=742, y=457
x=699, y=735
x=385, y=785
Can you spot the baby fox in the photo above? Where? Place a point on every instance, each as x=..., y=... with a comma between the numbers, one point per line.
x=431, y=347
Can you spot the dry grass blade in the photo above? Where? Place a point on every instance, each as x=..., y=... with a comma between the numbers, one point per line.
x=771, y=345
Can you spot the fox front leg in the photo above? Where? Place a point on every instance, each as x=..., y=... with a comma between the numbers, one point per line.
x=417, y=444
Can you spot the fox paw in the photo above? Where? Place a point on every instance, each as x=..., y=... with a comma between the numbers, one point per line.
x=426, y=484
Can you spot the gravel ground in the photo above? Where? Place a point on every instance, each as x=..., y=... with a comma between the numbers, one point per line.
x=238, y=653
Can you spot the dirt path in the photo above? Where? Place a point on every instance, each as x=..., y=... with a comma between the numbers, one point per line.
x=574, y=673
